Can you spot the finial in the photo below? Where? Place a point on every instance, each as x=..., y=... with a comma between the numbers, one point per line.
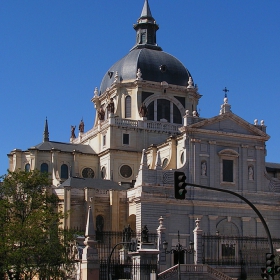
x=46, y=132
x=197, y=221
x=226, y=91
x=190, y=83
x=139, y=75
x=146, y=11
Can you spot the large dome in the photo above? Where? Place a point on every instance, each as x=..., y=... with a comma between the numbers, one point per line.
x=146, y=55
x=155, y=65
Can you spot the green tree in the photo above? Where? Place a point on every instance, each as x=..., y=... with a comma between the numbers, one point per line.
x=32, y=243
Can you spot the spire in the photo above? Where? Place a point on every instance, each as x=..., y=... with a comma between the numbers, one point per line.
x=146, y=29
x=146, y=11
x=90, y=232
x=46, y=132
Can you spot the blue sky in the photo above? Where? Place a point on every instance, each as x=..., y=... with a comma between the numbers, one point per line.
x=54, y=53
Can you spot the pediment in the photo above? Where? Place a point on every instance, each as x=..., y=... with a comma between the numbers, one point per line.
x=231, y=124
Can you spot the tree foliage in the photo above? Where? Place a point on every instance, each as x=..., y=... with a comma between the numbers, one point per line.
x=31, y=240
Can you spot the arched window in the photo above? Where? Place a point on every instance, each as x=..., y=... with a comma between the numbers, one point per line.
x=99, y=228
x=64, y=171
x=128, y=107
x=44, y=168
x=150, y=115
x=103, y=172
x=177, y=118
x=27, y=167
x=163, y=109
x=99, y=223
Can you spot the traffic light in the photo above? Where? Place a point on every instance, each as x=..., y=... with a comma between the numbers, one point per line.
x=179, y=185
x=270, y=263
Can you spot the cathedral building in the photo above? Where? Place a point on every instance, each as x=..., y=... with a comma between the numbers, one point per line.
x=146, y=127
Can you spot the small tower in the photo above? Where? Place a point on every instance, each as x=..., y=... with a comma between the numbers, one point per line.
x=90, y=262
x=46, y=132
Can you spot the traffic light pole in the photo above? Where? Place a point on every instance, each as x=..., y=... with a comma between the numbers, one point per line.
x=251, y=205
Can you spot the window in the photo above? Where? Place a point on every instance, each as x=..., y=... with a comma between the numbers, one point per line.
x=128, y=107
x=182, y=158
x=163, y=109
x=64, y=171
x=44, y=168
x=27, y=167
x=99, y=228
x=164, y=163
x=227, y=170
x=104, y=140
x=103, y=172
x=228, y=165
x=125, y=139
x=126, y=171
x=177, y=118
x=150, y=115
x=88, y=173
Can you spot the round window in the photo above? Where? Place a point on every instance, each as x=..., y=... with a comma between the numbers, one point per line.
x=164, y=163
x=163, y=68
x=126, y=171
x=88, y=173
x=103, y=172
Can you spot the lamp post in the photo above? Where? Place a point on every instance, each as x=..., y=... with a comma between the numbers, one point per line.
x=218, y=247
x=178, y=249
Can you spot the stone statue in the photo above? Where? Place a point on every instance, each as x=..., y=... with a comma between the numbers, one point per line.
x=144, y=234
x=82, y=126
x=143, y=110
x=203, y=168
x=73, y=131
x=127, y=234
x=111, y=106
x=101, y=114
x=251, y=173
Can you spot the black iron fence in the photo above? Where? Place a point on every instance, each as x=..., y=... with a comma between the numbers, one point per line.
x=248, y=253
x=108, y=239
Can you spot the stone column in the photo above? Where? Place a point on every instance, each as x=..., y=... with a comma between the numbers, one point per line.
x=90, y=261
x=67, y=207
x=197, y=232
x=161, y=238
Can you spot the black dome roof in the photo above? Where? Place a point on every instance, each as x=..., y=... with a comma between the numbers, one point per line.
x=155, y=65
x=146, y=55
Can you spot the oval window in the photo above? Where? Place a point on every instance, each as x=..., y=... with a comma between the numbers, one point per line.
x=164, y=163
x=103, y=172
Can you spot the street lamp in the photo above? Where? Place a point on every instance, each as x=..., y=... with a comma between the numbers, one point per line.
x=178, y=249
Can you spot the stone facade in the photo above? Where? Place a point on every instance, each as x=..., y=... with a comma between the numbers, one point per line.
x=124, y=166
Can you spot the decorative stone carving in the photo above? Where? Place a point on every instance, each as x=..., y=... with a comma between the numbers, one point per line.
x=96, y=92
x=73, y=131
x=251, y=173
x=139, y=75
x=190, y=83
x=255, y=122
x=203, y=168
